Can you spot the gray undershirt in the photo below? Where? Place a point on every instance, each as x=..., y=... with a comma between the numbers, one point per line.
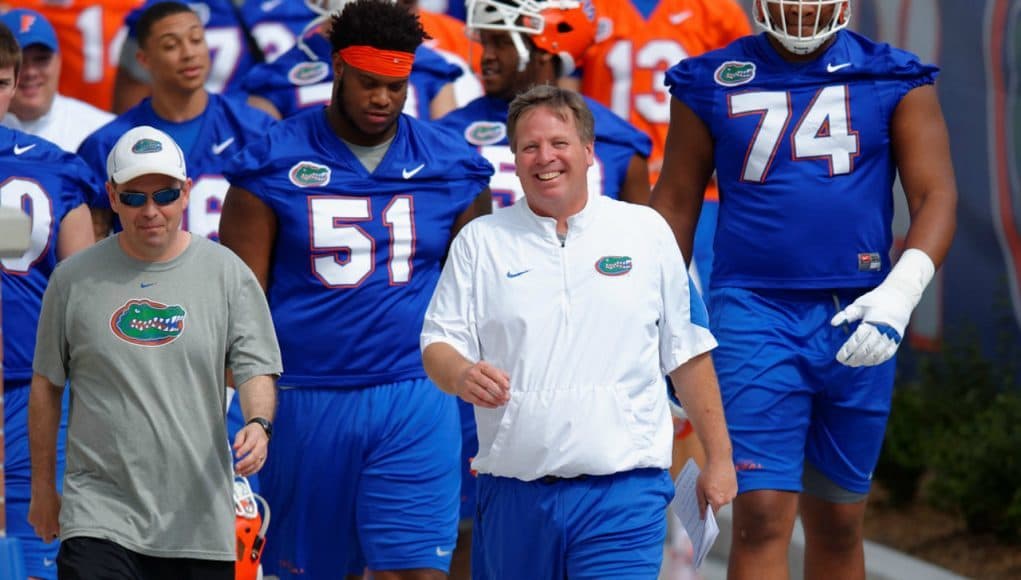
x=370, y=156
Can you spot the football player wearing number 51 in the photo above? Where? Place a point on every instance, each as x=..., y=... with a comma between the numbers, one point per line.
x=344, y=213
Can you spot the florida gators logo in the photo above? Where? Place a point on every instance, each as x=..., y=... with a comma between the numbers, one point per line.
x=485, y=133
x=146, y=146
x=614, y=265
x=147, y=323
x=306, y=73
x=732, y=74
x=308, y=174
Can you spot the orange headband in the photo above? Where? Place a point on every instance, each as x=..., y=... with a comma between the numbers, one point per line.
x=387, y=63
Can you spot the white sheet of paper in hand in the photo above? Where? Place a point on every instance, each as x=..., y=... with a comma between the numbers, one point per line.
x=685, y=504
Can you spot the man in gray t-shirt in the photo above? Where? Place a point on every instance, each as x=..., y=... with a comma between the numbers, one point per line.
x=144, y=325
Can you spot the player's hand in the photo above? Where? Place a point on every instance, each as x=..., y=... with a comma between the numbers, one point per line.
x=484, y=385
x=250, y=447
x=884, y=313
x=44, y=513
x=716, y=486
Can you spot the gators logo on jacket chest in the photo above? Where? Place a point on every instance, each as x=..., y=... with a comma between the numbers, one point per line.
x=147, y=323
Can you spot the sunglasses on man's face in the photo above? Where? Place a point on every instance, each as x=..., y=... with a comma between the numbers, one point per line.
x=161, y=197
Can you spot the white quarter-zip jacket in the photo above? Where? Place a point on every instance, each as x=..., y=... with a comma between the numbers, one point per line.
x=586, y=329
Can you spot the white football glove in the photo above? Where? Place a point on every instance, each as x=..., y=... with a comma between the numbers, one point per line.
x=884, y=312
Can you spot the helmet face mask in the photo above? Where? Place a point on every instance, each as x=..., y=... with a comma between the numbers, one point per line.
x=813, y=22
x=561, y=27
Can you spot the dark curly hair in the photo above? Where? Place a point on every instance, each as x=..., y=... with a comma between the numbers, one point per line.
x=377, y=23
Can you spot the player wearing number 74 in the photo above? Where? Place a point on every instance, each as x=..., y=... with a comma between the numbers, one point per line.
x=345, y=213
x=806, y=126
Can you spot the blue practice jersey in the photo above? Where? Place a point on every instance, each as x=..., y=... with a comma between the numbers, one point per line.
x=226, y=126
x=231, y=53
x=296, y=81
x=45, y=182
x=803, y=158
x=357, y=254
x=275, y=25
x=483, y=123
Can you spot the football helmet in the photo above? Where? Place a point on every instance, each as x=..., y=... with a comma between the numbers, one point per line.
x=565, y=28
x=250, y=529
x=812, y=29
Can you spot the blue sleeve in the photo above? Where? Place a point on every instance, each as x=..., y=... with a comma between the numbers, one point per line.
x=687, y=84
x=92, y=153
x=897, y=73
x=610, y=128
x=909, y=72
x=83, y=184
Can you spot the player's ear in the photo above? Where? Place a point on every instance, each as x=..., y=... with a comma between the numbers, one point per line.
x=111, y=195
x=141, y=58
x=186, y=192
x=338, y=65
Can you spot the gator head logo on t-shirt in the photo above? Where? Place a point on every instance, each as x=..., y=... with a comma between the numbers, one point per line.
x=147, y=323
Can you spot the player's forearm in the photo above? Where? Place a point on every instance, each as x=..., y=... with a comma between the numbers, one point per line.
x=44, y=402
x=933, y=224
x=258, y=397
x=699, y=393
x=445, y=366
x=76, y=232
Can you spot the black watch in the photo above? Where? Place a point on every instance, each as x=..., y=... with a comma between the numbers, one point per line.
x=264, y=423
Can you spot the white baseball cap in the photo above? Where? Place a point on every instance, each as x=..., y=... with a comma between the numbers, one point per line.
x=145, y=150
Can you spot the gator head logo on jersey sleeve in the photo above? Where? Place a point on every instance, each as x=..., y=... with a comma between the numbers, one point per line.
x=732, y=74
x=307, y=73
x=485, y=133
x=147, y=323
x=308, y=174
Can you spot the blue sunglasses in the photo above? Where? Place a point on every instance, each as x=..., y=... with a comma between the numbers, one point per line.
x=161, y=197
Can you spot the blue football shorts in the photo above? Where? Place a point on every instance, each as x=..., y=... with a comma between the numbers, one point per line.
x=362, y=477
x=40, y=558
x=786, y=397
x=608, y=526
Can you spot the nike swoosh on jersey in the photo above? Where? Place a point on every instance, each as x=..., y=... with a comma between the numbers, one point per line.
x=832, y=68
x=679, y=17
x=18, y=150
x=270, y=5
x=219, y=147
x=516, y=274
x=409, y=173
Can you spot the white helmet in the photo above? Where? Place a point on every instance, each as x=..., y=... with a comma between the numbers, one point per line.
x=820, y=30
x=561, y=27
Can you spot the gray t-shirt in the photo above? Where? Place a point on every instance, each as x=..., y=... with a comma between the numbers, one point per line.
x=145, y=346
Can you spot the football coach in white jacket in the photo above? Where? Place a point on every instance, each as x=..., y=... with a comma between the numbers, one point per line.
x=557, y=318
